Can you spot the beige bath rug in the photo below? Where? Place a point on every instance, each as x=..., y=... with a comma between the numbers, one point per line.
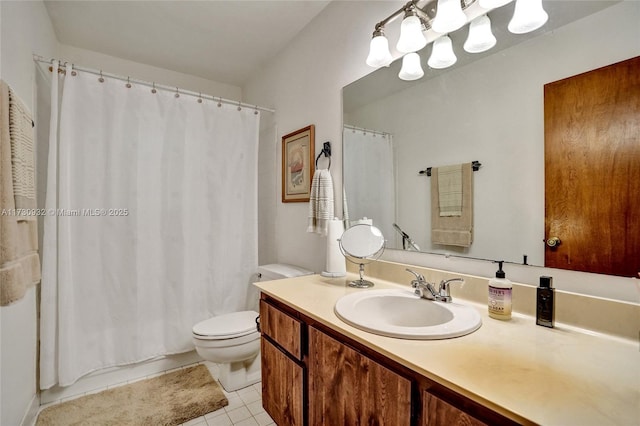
x=170, y=399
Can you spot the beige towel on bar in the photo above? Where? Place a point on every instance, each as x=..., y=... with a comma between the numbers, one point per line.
x=452, y=230
x=321, y=209
x=19, y=260
x=450, y=190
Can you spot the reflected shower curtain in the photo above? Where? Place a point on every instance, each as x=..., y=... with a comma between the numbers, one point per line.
x=151, y=222
x=369, y=179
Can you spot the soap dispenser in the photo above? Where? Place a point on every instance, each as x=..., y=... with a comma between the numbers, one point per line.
x=500, y=295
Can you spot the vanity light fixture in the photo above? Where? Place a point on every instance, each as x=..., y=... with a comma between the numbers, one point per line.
x=528, y=16
x=449, y=16
x=480, y=37
x=442, y=55
x=433, y=20
x=411, y=68
x=493, y=4
x=379, y=55
x=411, y=36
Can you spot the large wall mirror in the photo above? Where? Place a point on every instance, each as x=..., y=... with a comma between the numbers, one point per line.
x=489, y=108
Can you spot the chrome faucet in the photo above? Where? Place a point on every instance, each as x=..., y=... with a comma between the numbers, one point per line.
x=421, y=287
x=426, y=290
x=444, y=294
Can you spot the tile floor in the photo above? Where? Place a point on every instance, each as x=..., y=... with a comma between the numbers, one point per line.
x=244, y=409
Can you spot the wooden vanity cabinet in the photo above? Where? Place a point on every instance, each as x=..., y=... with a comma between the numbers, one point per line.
x=436, y=412
x=348, y=388
x=283, y=374
x=314, y=376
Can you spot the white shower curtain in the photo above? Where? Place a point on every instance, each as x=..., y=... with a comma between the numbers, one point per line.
x=155, y=223
x=369, y=179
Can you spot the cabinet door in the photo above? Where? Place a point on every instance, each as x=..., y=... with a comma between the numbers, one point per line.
x=347, y=388
x=282, y=386
x=437, y=412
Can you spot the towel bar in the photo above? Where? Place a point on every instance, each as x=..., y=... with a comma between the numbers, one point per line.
x=475, y=165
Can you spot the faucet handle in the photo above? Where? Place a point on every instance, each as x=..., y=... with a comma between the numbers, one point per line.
x=419, y=277
x=444, y=289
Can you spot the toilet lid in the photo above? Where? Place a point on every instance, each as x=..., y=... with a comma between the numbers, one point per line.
x=227, y=326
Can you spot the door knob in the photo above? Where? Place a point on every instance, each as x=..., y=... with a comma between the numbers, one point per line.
x=553, y=242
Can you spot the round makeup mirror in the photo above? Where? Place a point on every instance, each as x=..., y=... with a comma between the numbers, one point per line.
x=362, y=244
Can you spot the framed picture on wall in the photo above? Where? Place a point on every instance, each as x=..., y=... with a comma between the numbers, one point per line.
x=297, y=165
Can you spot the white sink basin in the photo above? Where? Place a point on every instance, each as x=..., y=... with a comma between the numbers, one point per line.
x=402, y=314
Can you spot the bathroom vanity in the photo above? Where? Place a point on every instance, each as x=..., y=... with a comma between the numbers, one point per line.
x=345, y=382
x=318, y=370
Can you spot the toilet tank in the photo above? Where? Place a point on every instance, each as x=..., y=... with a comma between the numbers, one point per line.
x=277, y=271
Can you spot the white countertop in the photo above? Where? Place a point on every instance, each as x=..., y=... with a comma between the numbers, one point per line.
x=559, y=376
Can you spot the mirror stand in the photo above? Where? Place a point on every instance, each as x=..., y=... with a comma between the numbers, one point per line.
x=361, y=283
x=362, y=244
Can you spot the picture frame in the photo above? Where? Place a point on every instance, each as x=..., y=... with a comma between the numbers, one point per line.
x=297, y=164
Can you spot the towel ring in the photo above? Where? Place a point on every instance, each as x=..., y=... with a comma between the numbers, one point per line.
x=326, y=151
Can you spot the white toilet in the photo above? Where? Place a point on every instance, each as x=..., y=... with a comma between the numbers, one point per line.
x=233, y=341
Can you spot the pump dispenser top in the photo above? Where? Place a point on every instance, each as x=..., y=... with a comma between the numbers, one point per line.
x=500, y=295
x=499, y=273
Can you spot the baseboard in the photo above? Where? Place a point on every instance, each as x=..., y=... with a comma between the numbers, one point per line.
x=116, y=376
x=31, y=414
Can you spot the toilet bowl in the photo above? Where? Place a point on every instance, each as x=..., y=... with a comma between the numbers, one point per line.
x=233, y=340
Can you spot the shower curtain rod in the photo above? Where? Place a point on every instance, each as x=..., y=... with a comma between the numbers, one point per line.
x=362, y=129
x=153, y=85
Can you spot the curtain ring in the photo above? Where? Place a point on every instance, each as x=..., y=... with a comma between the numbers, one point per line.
x=128, y=85
x=255, y=112
x=177, y=95
x=101, y=79
x=219, y=102
x=73, y=71
x=239, y=106
x=153, y=88
x=200, y=97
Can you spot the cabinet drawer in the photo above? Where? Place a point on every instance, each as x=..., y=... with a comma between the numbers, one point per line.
x=282, y=386
x=282, y=328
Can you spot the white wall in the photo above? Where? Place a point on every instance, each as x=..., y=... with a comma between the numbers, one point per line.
x=303, y=83
x=25, y=29
x=492, y=110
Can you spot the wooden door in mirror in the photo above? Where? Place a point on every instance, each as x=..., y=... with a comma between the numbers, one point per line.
x=592, y=170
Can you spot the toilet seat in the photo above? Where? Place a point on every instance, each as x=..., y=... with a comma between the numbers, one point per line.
x=227, y=326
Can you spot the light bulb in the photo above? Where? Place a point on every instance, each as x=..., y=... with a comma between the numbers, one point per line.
x=411, y=68
x=528, y=16
x=480, y=37
x=379, y=54
x=411, y=36
x=492, y=4
x=442, y=55
x=449, y=16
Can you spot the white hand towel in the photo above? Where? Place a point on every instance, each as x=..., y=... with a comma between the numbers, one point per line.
x=320, y=202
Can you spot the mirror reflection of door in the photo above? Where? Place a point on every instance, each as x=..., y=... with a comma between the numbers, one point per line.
x=592, y=170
